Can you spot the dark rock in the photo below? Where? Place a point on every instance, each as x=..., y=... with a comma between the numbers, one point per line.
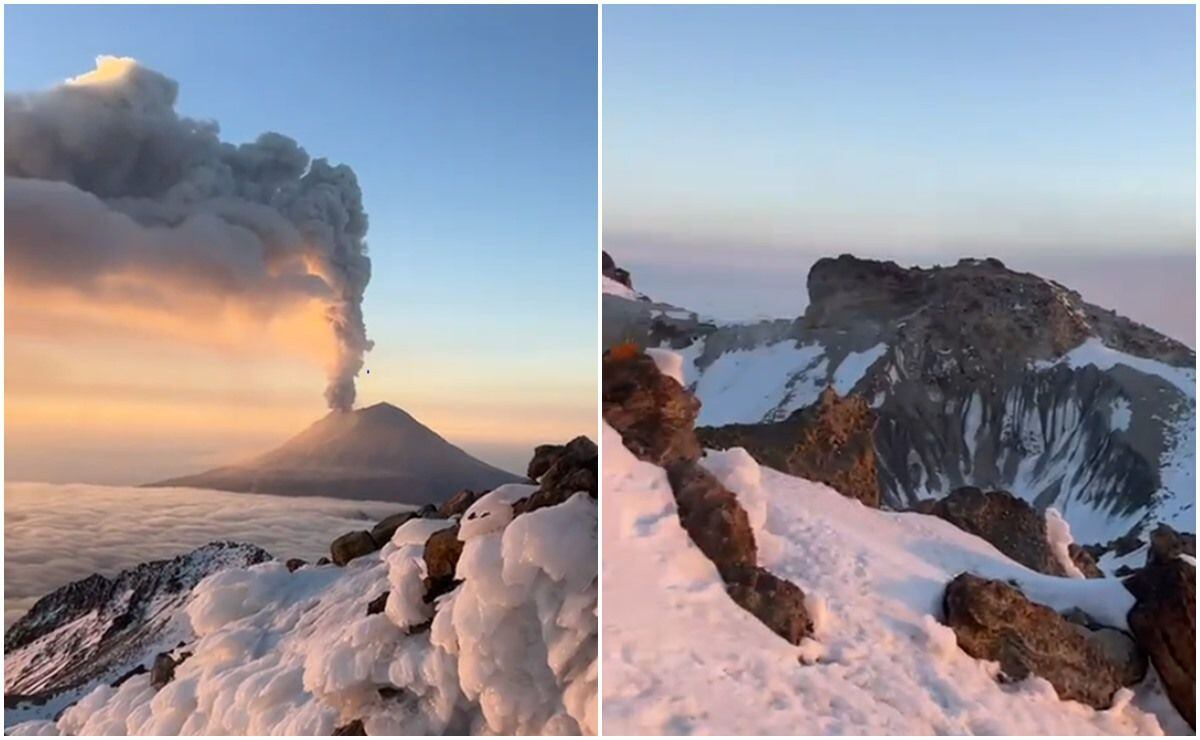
x=352, y=545
x=994, y=621
x=427, y=511
x=1126, y=544
x=1084, y=561
x=137, y=670
x=653, y=413
x=163, y=670
x=544, y=457
x=376, y=605
x=831, y=441
x=777, y=603
x=382, y=532
x=442, y=551
x=713, y=518
x=1163, y=621
x=351, y=728
x=294, y=564
x=574, y=468
x=391, y=693
x=323, y=561
x=458, y=503
x=1123, y=571
x=1167, y=544
x=610, y=270
x=1014, y=527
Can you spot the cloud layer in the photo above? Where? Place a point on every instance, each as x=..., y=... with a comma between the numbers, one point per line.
x=56, y=534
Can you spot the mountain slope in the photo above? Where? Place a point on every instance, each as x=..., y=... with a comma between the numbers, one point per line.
x=980, y=376
x=379, y=452
x=680, y=657
x=94, y=629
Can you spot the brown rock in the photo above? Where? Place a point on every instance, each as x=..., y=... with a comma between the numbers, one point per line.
x=1163, y=621
x=352, y=545
x=1167, y=544
x=383, y=531
x=713, y=518
x=653, y=413
x=777, y=603
x=994, y=621
x=458, y=503
x=574, y=468
x=1084, y=561
x=163, y=670
x=544, y=457
x=351, y=728
x=294, y=564
x=610, y=270
x=442, y=551
x=323, y=561
x=831, y=441
x=1014, y=527
x=377, y=604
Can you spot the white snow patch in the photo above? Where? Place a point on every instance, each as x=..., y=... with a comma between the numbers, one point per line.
x=612, y=287
x=1058, y=536
x=1120, y=413
x=752, y=385
x=854, y=366
x=681, y=658
x=670, y=363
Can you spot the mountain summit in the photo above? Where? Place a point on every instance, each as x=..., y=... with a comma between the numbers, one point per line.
x=379, y=452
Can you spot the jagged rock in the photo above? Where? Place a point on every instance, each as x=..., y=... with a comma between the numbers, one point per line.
x=830, y=441
x=1084, y=561
x=1124, y=571
x=777, y=603
x=376, y=605
x=1167, y=544
x=1163, y=621
x=137, y=670
x=610, y=270
x=323, y=561
x=354, y=727
x=573, y=468
x=87, y=631
x=294, y=564
x=163, y=670
x=352, y=545
x=382, y=532
x=442, y=551
x=1011, y=525
x=544, y=456
x=713, y=518
x=653, y=413
x=457, y=504
x=994, y=621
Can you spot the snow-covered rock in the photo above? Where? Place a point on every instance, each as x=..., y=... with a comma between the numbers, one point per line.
x=680, y=657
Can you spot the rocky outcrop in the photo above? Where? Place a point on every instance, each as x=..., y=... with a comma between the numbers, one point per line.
x=653, y=413
x=352, y=545
x=608, y=267
x=98, y=628
x=1163, y=621
x=654, y=416
x=457, y=504
x=561, y=472
x=442, y=551
x=993, y=620
x=830, y=441
x=1084, y=561
x=162, y=672
x=1166, y=545
x=1011, y=525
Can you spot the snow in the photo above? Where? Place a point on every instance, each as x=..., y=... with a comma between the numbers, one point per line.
x=669, y=363
x=681, y=658
x=612, y=287
x=1120, y=414
x=512, y=650
x=1094, y=352
x=765, y=383
x=854, y=366
x=1058, y=536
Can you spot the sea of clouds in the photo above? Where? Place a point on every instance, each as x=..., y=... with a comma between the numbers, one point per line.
x=55, y=534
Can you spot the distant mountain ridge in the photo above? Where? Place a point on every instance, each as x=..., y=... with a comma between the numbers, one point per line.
x=380, y=452
x=980, y=375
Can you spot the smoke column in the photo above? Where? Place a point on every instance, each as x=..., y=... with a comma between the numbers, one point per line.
x=108, y=191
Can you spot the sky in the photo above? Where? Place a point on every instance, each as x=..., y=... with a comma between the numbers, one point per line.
x=743, y=143
x=472, y=130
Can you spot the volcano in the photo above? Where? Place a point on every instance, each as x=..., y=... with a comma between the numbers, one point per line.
x=380, y=453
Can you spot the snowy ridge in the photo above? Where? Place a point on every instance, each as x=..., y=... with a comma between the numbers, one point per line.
x=511, y=650
x=680, y=657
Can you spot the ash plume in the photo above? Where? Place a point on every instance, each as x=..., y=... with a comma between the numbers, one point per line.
x=110, y=192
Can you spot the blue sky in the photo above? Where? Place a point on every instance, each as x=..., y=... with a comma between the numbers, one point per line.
x=473, y=133
x=772, y=135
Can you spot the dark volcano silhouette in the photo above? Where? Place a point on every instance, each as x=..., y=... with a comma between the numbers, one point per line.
x=380, y=453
